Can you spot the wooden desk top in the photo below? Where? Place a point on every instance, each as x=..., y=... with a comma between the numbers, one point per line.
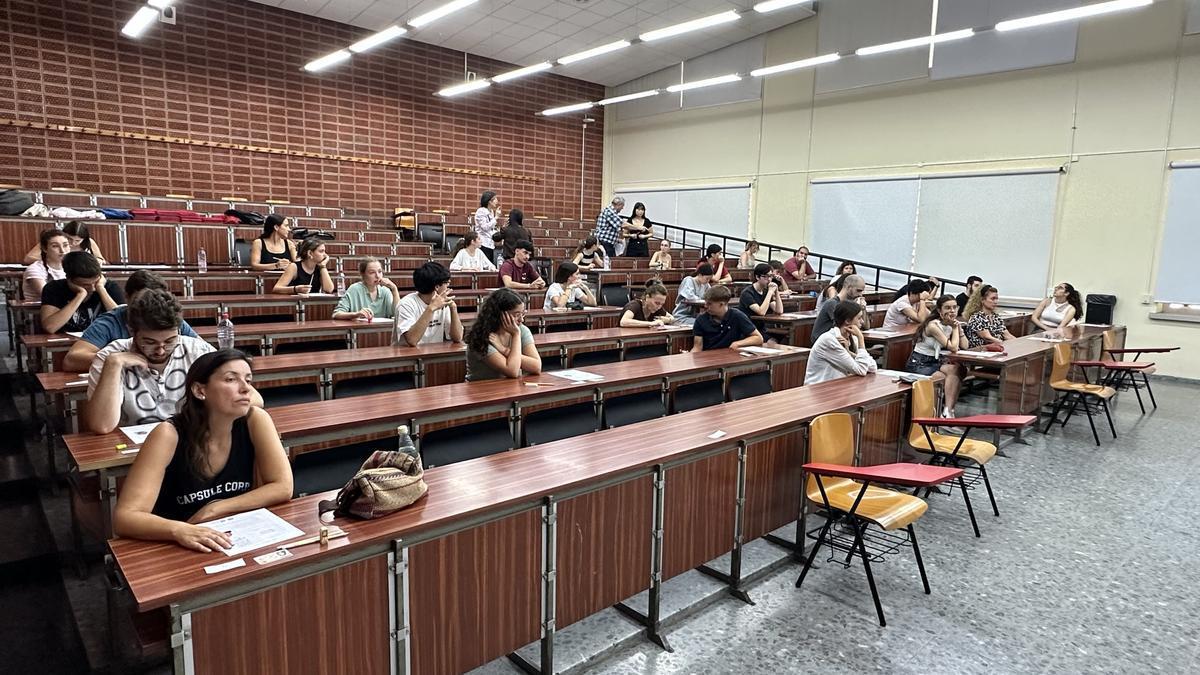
x=1024, y=347
x=161, y=573
x=59, y=382
x=93, y=452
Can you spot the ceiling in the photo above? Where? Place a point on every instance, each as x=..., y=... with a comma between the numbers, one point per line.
x=525, y=32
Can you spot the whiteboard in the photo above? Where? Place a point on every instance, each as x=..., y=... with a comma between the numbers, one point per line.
x=1178, y=274
x=721, y=210
x=999, y=227
x=868, y=220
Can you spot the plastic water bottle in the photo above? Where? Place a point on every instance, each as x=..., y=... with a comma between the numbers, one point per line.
x=341, y=284
x=202, y=260
x=237, y=258
x=225, y=332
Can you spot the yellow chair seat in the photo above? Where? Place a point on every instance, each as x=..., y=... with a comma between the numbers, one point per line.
x=886, y=508
x=1084, y=388
x=980, y=452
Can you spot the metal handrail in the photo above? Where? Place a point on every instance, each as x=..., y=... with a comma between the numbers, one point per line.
x=707, y=238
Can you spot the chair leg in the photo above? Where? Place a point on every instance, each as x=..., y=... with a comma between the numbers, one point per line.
x=1088, y=409
x=988, y=484
x=1136, y=392
x=1077, y=398
x=1113, y=429
x=866, y=558
x=912, y=536
x=967, y=498
x=1058, y=404
x=813, y=553
x=1149, y=390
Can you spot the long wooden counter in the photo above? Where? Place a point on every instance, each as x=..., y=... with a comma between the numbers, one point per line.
x=565, y=528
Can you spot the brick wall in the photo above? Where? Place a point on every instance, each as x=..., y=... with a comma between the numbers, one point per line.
x=230, y=71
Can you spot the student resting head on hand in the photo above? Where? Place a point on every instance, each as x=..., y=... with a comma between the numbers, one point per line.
x=219, y=455
x=840, y=351
x=498, y=343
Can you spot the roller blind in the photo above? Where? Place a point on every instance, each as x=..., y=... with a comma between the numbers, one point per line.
x=868, y=220
x=999, y=227
x=992, y=52
x=1178, y=274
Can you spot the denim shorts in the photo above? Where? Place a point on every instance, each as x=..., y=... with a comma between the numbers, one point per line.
x=923, y=364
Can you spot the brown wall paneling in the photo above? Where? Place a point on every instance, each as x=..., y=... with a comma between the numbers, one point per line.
x=336, y=621
x=18, y=236
x=214, y=239
x=151, y=243
x=773, y=483
x=475, y=595
x=787, y=374
x=699, y=512
x=603, y=548
x=105, y=233
x=190, y=82
x=881, y=431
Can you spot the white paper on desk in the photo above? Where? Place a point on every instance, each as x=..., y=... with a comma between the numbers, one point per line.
x=1048, y=339
x=73, y=333
x=875, y=332
x=376, y=319
x=317, y=294
x=589, y=308
x=1095, y=325
x=791, y=316
x=901, y=375
x=77, y=383
x=984, y=355
x=138, y=432
x=761, y=350
x=253, y=529
x=576, y=375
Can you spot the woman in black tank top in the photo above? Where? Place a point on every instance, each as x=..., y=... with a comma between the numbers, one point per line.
x=308, y=274
x=202, y=464
x=277, y=232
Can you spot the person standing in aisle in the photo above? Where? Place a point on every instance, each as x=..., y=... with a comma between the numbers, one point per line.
x=485, y=223
x=608, y=226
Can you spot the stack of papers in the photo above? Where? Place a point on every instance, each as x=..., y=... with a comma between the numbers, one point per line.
x=576, y=375
x=253, y=529
x=138, y=432
x=761, y=350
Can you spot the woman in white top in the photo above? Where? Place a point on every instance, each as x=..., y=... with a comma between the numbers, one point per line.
x=485, y=222
x=747, y=261
x=938, y=335
x=568, y=287
x=468, y=257
x=841, y=351
x=661, y=260
x=844, y=270
x=1059, y=309
x=54, y=245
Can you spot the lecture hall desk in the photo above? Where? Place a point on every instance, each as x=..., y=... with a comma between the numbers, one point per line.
x=347, y=420
x=567, y=530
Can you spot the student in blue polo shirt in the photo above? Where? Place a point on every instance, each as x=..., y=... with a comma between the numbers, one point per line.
x=111, y=325
x=721, y=326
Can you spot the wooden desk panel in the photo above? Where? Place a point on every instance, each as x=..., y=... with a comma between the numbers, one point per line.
x=475, y=594
x=328, y=623
x=773, y=483
x=603, y=548
x=881, y=432
x=698, y=512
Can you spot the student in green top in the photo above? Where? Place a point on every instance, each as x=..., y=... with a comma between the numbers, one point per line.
x=372, y=298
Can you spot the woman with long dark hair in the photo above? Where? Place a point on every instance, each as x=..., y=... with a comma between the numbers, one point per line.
x=274, y=248
x=1060, y=309
x=498, y=343
x=216, y=457
x=637, y=231
x=568, y=287
x=484, y=222
x=81, y=240
x=845, y=269
x=309, y=273
x=515, y=231
x=938, y=335
x=589, y=255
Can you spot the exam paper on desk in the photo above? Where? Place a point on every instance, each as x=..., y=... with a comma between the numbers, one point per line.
x=254, y=529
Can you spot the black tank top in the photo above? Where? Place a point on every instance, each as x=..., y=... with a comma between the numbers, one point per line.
x=266, y=257
x=311, y=279
x=589, y=258
x=183, y=493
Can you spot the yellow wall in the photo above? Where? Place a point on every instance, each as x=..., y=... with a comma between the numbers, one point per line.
x=1128, y=105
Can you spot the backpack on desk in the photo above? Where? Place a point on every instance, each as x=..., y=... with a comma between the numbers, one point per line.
x=388, y=481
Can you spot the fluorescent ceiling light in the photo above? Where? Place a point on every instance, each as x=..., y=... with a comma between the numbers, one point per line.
x=629, y=97
x=689, y=26
x=567, y=108
x=160, y=4
x=1071, y=14
x=434, y=15
x=139, y=22
x=772, y=5
x=795, y=65
x=923, y=41
x=376, y=39
x=327, y=60
x=704, y=83
x=595, y=51
x=522, y=72
x=465, y=87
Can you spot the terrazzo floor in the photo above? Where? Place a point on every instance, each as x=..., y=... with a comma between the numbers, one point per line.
x=1090, y=568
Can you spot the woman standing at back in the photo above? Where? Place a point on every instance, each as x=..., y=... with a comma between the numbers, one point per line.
x=637, y=231
x=515, y=231
x=484, y=223
x=274, y=249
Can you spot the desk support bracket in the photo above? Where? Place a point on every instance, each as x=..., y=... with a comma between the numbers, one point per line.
x=652, y=620
x=797, y=546
x=181, y=641
x=400, y=644
x=734, y=578
x=549, y=593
